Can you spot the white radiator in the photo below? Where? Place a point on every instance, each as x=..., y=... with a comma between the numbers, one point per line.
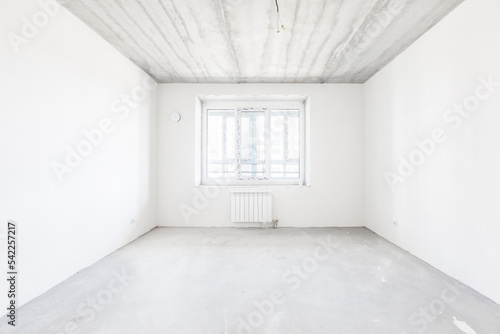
x=251, y=206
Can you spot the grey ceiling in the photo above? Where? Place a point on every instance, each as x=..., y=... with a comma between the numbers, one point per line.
x=341, y=41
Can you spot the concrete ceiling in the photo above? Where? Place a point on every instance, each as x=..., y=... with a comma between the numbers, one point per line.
x=234, y=41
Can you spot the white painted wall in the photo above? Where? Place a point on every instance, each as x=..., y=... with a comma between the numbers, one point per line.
x=335, y=197
x=62, y=82
x=448, y=209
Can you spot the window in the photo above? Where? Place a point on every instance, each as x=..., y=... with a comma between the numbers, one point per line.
x=252, y=141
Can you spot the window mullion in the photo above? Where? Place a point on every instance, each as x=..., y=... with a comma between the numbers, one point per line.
x=224, y=146
x=285, y=143
x=204, y=140
x=238, y=144
x=253, y=136
x=302, y=145
x=267, y=142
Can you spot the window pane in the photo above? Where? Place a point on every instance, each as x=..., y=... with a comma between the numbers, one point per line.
x=253, y=144
x=285, y=144
x=293, y=133
x=277, y=137
x=221, y=144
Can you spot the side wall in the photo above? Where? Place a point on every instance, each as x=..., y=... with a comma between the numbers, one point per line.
x=61, y=81
x=335, y=197
x=431, y=127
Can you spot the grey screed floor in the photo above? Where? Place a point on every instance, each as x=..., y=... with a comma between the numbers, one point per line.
x=235, y=280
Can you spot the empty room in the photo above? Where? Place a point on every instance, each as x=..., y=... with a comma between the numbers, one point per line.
x=250, y=167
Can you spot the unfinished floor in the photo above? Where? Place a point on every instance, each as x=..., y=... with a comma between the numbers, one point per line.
x=224, y=281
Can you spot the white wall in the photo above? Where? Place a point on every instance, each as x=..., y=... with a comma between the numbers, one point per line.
x=335, y=197
x=61, y=82
x=448, y=209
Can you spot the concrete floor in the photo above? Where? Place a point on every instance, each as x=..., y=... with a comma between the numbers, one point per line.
x=225, y=281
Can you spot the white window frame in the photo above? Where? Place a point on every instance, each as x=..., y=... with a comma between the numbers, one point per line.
x=209, y=102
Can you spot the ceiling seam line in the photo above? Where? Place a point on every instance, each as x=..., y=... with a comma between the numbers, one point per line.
x=122, y=50
x=225, y=31
x=337, y=57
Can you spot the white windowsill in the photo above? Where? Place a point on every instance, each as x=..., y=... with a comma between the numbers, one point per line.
x=253, y=186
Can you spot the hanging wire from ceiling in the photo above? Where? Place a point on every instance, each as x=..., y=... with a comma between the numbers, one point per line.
x=279, y=24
